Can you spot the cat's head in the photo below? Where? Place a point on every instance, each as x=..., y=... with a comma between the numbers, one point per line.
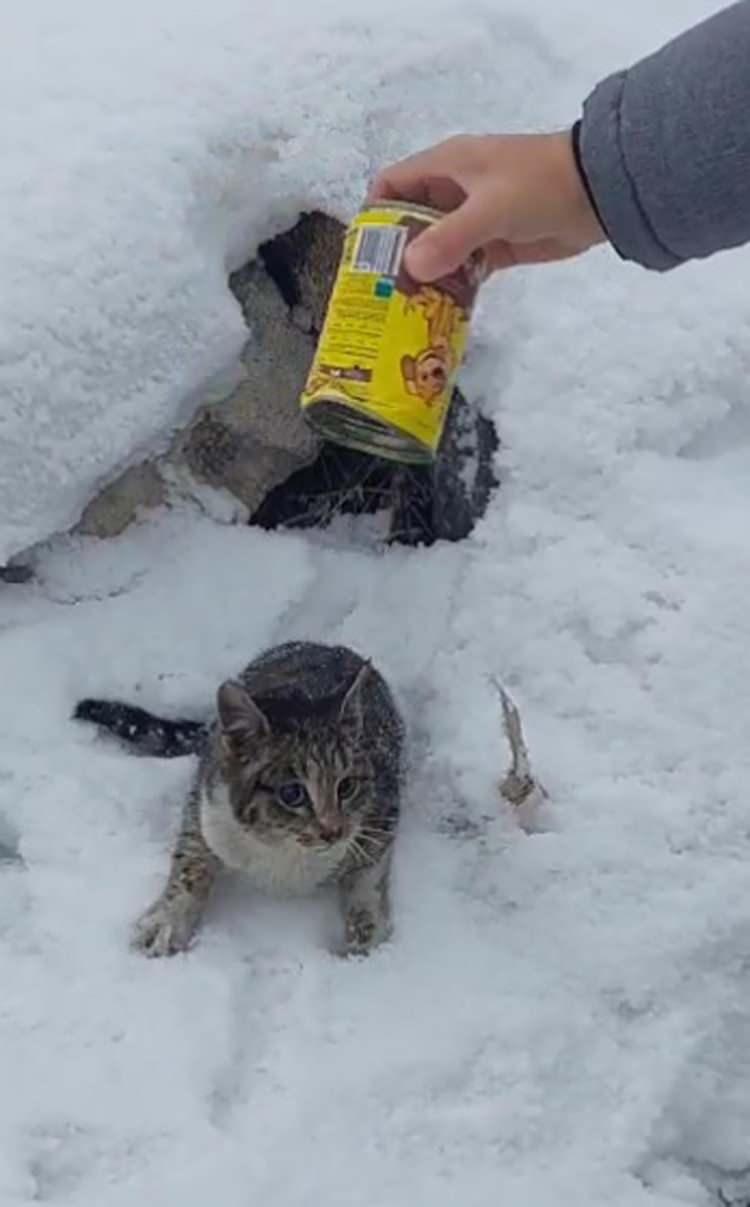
x=295, y=767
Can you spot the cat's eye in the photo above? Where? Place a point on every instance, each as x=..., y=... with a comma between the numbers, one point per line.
x=292, y=795
x=347, y=786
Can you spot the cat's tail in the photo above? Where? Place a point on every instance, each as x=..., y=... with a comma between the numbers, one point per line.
x=141, y=730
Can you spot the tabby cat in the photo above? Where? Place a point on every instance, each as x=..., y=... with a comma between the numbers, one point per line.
x=298, y=786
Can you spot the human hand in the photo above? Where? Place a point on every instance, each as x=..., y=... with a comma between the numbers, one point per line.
x=520, y=198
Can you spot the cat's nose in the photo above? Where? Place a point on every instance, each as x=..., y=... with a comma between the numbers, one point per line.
x=331, y=831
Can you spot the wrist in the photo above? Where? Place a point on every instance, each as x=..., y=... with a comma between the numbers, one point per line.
x=579, y=203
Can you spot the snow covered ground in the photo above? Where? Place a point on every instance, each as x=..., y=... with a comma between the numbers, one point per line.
x=562, y=1017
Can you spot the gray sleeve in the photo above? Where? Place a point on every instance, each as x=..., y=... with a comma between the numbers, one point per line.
x=665, y=146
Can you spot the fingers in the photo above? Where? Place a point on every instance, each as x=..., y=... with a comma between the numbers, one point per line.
x=448, y=244
x=383, y=188
x=409, y=179
x=447, y=177
x=518, y=197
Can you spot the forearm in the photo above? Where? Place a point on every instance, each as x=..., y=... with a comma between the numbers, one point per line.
x=665, y=146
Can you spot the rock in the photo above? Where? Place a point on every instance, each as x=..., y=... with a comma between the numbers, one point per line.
x=109, y=514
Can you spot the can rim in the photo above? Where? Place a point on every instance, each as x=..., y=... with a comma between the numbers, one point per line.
x=407, y=207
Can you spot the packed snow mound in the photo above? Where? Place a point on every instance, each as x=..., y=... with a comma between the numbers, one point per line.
x=148, y=147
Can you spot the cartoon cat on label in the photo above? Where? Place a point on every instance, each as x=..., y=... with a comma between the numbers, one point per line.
x=426, y=374
x=298, y=786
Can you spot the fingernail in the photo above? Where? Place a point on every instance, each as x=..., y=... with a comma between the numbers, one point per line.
x=423, y=259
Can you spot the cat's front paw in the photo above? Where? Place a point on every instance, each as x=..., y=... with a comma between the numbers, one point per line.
x=167, y=927
x=363, y=932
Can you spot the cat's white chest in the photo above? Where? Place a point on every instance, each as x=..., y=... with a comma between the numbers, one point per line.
x=286, y=868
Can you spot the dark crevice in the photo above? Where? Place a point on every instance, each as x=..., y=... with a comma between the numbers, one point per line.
x=16, y=574
x=426, y=503
x=277, y=264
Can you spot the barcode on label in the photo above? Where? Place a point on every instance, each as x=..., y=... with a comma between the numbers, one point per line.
x=379, y=250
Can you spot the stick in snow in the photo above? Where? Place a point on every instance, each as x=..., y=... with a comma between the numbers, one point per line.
x=519, y=784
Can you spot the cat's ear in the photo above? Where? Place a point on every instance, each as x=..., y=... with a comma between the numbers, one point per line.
x=351, y=713
x=241, y=721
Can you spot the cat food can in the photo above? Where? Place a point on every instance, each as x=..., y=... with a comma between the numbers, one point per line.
x=390, y=348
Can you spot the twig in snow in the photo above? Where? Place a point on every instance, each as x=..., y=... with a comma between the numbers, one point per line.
x=519, y=786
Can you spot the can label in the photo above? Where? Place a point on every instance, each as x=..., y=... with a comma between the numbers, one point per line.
x=391, y=346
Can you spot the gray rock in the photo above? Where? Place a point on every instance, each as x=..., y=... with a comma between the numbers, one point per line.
x=140, y=487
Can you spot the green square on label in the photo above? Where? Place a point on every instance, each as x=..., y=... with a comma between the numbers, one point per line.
x=383, y=288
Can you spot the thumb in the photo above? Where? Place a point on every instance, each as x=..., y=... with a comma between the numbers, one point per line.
x=448, y=244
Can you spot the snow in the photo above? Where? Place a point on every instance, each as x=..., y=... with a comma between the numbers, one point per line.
x=562, y=1015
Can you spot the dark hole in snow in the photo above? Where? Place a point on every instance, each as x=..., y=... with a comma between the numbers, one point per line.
x=16, y=574
x=423, y=504
x=9, y=843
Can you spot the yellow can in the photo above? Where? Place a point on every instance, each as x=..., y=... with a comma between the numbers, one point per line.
x=390, y=348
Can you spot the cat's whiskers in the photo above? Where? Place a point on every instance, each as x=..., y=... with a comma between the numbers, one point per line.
x=354, y=847
x=368, y=839
x=375, y=837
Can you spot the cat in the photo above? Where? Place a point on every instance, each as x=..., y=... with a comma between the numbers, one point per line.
x=298, y=786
